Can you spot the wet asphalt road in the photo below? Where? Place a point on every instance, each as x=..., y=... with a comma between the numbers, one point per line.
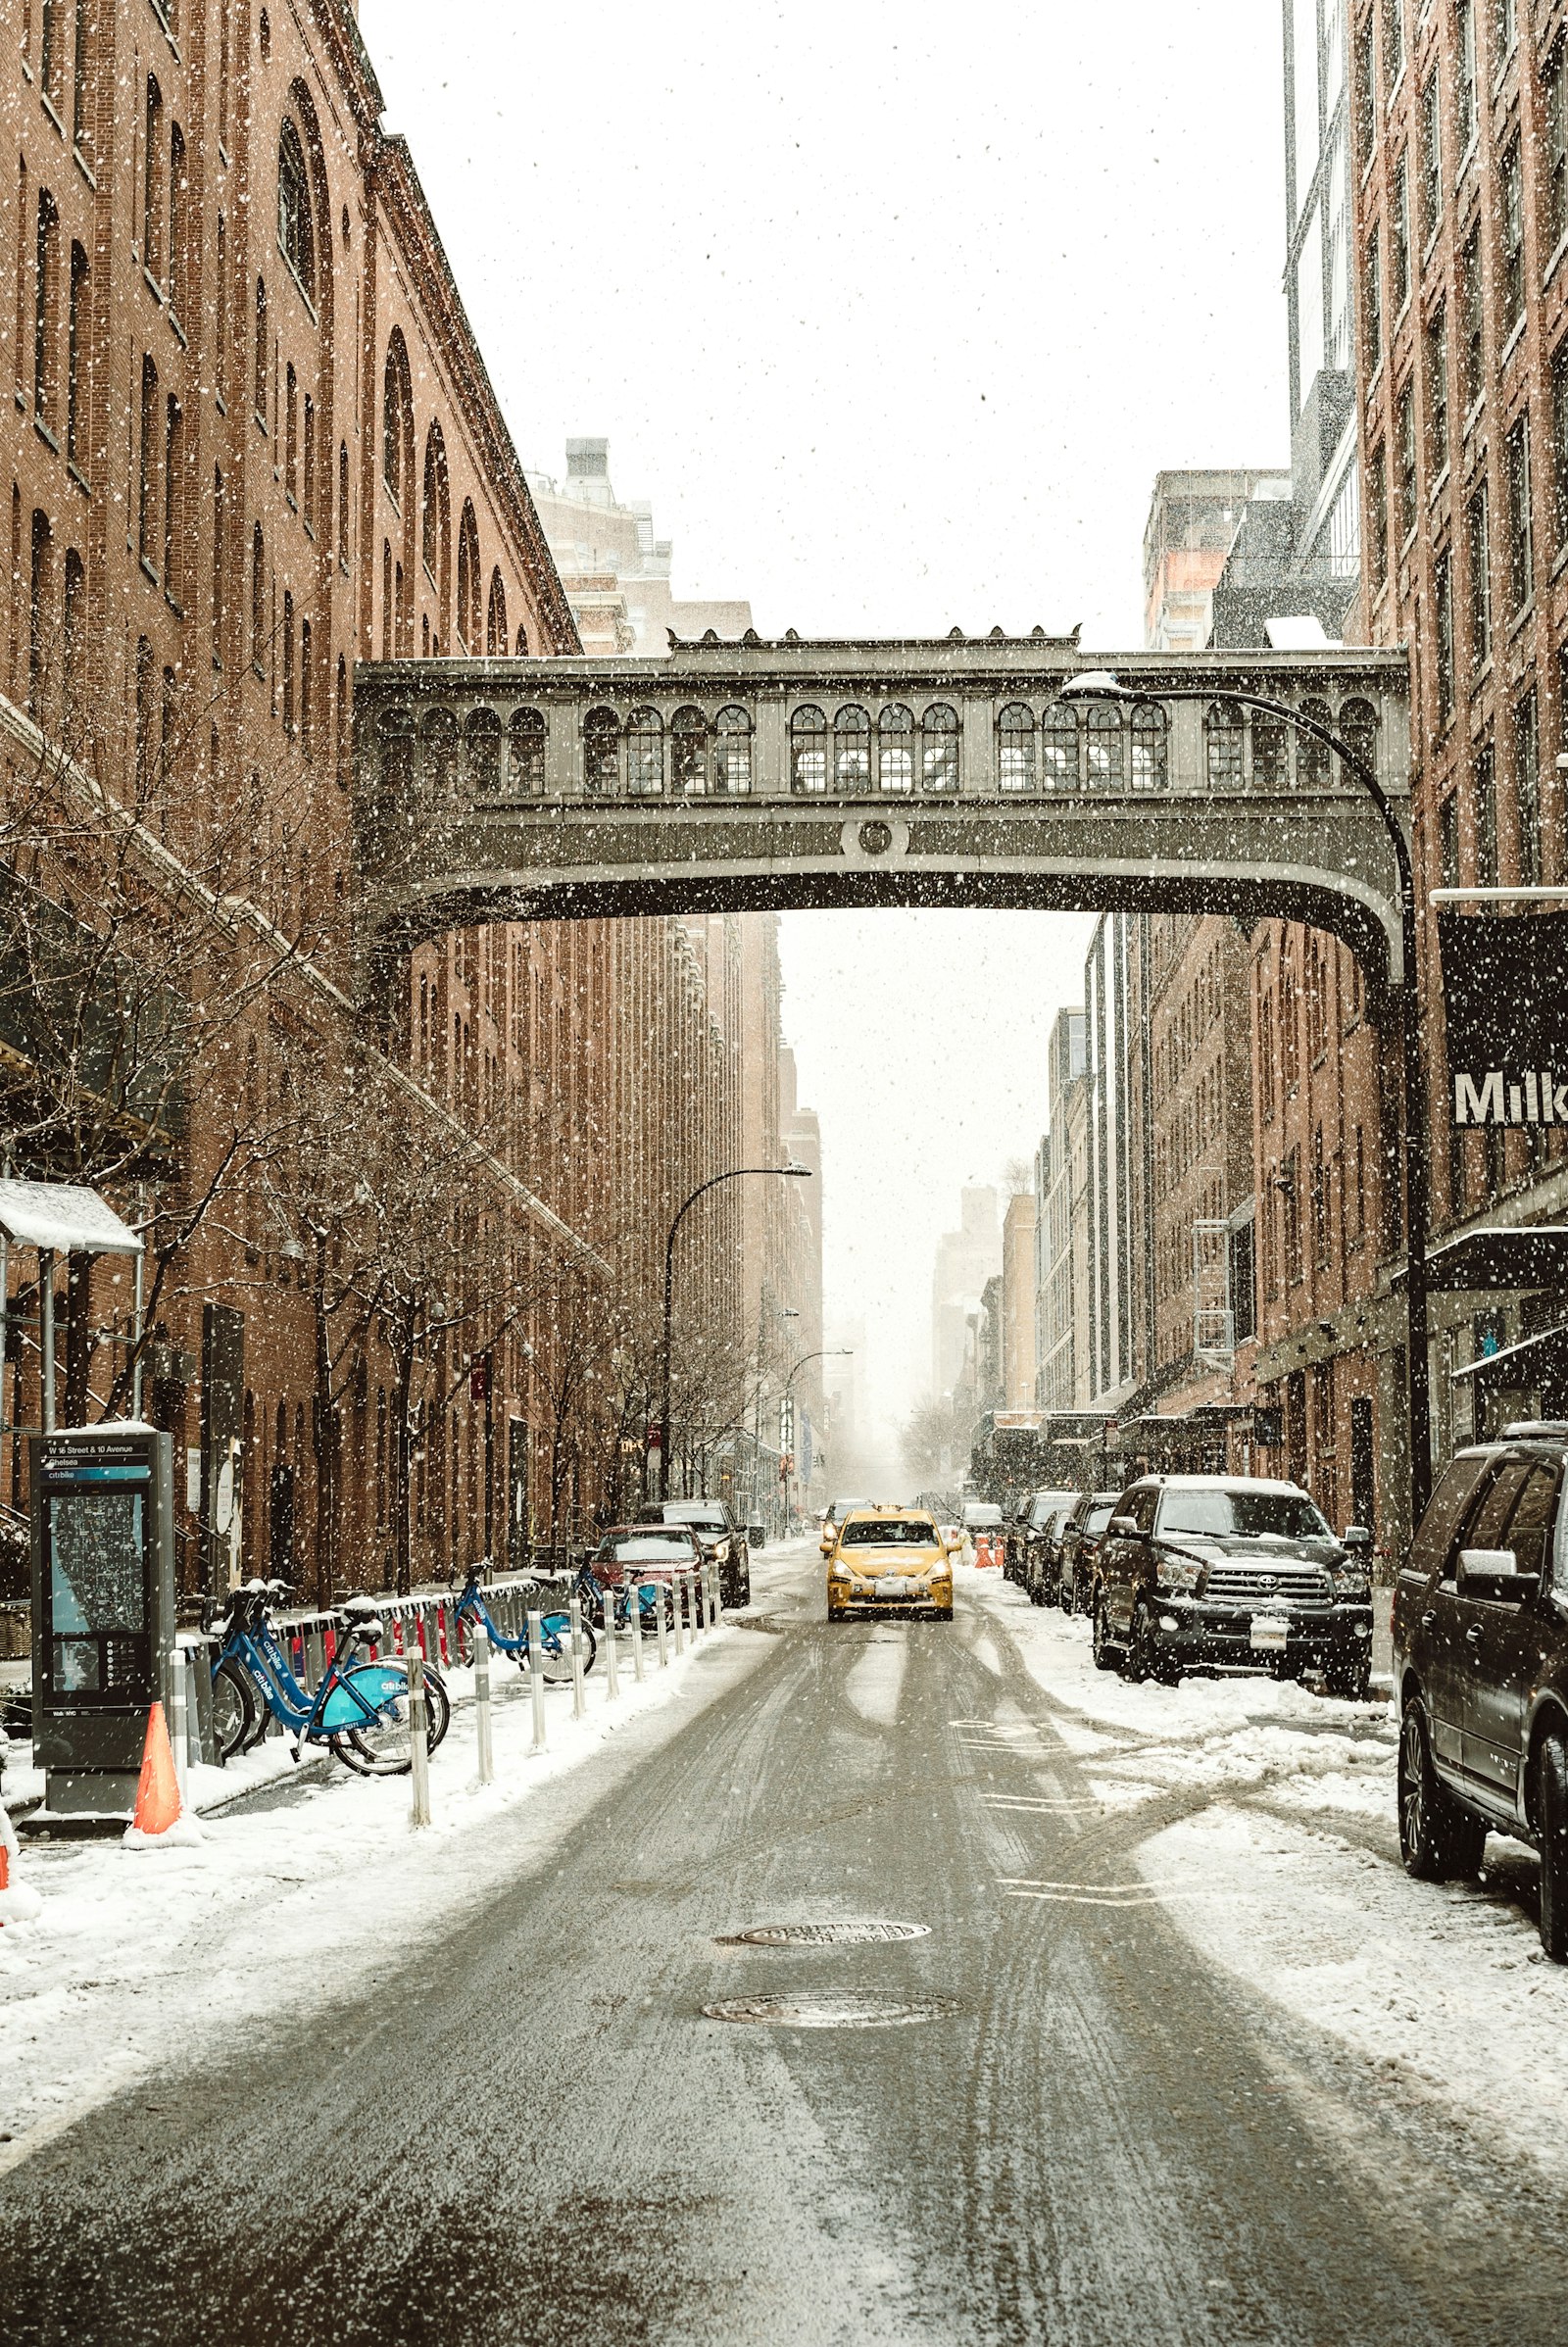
x=529, y=2133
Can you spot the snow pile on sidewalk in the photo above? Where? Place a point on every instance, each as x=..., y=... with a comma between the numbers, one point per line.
x=133, y=1952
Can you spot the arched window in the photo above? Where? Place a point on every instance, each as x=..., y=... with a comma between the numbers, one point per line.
x=257, y=600
x=1105, y=745
x=732, y=754
x=851, y=750
x=939, y=747
x=307, y=692
x=1151, y=756
x=895, y=754
x=1359, y=730
x=481, y=745
x=809, y=750
x=435, y=527
x=174, y=500
x=291, y=433
x=296, y=235
x=1312, y=756
x=76, y=634
x=601, y=744
x=688, y=752
x=259, y=356
x=288, y=661
x=340, y=724
x=525, y=776
x=645, y=754
x=178, y=209
x=1271, y=751
x=470, y=588
x=1015, y=747
x=438, y=752
x=494, y=627
x=308, y=462
x=76, y=358
x=395, y=729
x=522, y=642
x=343, y=503
x=1058, y=748
x=152, y=184
x=397, y=417
x=1224, y=731
x=45, y=310
x=147, y=469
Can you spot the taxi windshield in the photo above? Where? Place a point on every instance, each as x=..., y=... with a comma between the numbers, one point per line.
x=889, y=1531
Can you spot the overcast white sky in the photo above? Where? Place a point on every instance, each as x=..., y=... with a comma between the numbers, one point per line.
x=894, y=312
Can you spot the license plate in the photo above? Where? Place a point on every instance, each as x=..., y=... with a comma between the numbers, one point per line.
x=1269, y=1633
x=893, y=1584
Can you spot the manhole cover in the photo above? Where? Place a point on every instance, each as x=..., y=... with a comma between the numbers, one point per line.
x=835, y=1934
x=851, y=2009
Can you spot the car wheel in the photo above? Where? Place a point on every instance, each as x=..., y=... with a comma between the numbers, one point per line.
x=1133, y=1658
x=1438, y=1839
x=1155, y=1661
x=1104, y=1654
x=1551, y=1823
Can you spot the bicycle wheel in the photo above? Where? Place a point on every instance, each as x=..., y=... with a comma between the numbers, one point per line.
x=555, y=1653
x=381, y=1743
x=234, y=1709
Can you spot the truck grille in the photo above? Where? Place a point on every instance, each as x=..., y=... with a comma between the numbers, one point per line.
x=1259, y=1585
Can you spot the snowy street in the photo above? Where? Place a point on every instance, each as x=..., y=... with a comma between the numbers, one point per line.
x=1198, y=2063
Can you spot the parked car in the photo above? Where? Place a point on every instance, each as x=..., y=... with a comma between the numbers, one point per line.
x=1206, y=1572
x=715, y=1523
x=1481, y=1667
x=1080, y=1538
x=645, y=1552
x=889, y=1560
x=1037, y=1540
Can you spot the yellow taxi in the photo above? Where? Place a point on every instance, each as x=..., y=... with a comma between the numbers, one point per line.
x=887, y=1560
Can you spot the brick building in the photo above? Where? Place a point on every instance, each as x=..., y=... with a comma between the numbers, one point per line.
x=252, y=441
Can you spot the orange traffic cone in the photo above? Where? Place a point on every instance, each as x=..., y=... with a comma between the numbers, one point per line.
x=18, y=1903
x=982, y=1548
x=158, y=1789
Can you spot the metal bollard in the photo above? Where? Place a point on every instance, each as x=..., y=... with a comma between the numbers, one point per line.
x=612, y=1657
x=663, y=1628
x=481, y=1702
x=575, y=1611
x=637, y=1634
x=177, y=1725
x=714, y=1604
x=681, y=1578
x=710, y=1597
x=536, y=1677
x=420, y=1738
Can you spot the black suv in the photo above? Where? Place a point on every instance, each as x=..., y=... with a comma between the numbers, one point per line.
x=1079, y=1540
x=1481, y=1667
x=1217, y=1571
x=720, y=1535
x=1038, y=1537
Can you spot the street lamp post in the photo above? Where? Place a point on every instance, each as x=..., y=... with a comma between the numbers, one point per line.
x=831, y=1352
x=1102, y=685
x=735, y=1173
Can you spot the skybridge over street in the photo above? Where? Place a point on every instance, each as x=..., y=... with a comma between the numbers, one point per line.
x=786, y=774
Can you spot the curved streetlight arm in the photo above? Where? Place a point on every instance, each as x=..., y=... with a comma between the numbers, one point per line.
x=733, y=1173
x=1102, y=684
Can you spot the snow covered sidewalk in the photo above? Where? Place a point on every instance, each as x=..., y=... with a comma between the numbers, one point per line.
x=140, y=1956
x=1288, y=1877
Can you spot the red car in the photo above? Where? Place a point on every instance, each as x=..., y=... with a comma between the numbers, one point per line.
x=646, y=1553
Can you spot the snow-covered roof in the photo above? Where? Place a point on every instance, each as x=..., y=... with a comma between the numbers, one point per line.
x=64, y=1216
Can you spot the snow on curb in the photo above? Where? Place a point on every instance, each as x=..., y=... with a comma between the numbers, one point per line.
x=291, y=1904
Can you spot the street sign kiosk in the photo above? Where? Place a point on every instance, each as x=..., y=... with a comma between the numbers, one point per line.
x=103, y=1608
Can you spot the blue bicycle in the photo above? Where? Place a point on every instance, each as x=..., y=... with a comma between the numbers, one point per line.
x=555, y=1650
x=360, y=1709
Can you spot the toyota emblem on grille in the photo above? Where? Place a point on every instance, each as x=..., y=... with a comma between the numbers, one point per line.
x=1268, y=1582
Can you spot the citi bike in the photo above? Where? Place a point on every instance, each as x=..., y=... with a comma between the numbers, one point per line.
x=360, y=1709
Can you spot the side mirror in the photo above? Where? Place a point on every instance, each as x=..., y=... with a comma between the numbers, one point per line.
x=1355, y=1535
x=827, y=1544
x=1494, y=1573
x=1127, y=1528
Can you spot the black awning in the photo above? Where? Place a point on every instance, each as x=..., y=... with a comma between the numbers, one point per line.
x=1533, y=1256
x=1548, y=1349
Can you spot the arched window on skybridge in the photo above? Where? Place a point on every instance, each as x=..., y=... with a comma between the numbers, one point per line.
x=395, y=728
x=438, y=738
x=939, y=747
x=1359, y=730
x=1058, y=748
x=732, y=754
x=645, y=754
x=1271, y=751
x=481, y=749
x=601, y=754
x=1151, y=730
x=809, y=751
x=1015, y=747
x=688, y=752
x=1105, y=738
x=526, y=751
x=1312, y=756
x=851, y=750
x=895, y=737
x=1225, y=738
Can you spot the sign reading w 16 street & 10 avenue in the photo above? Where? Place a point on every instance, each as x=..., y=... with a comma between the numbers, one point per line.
x=1505, y=1007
